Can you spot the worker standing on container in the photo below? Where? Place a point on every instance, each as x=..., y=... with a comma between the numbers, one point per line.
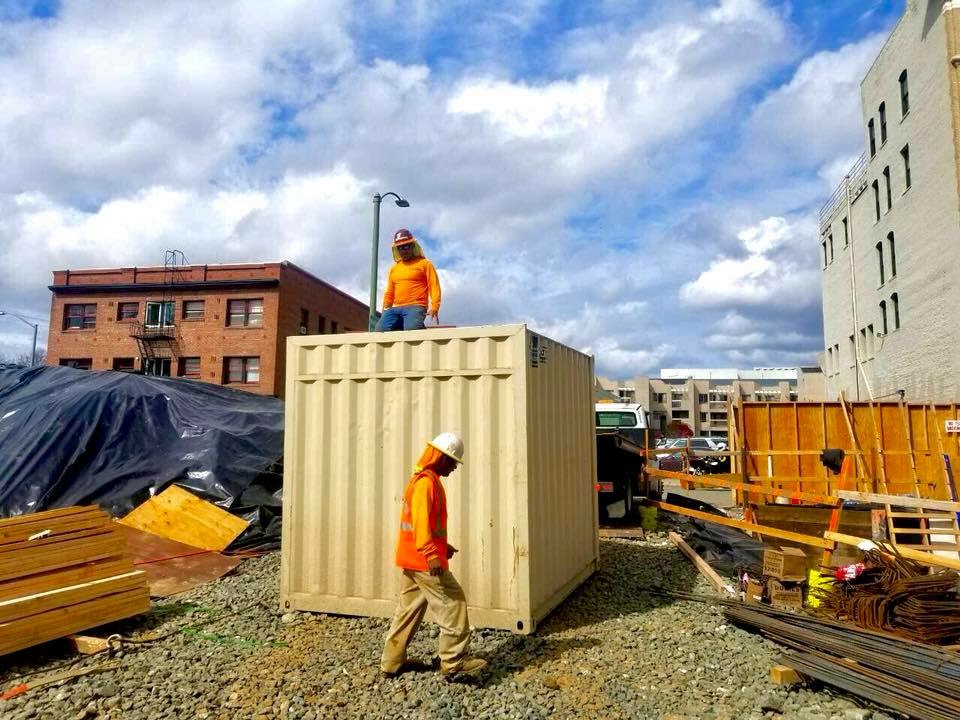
x=423, y=554
x=413, y=288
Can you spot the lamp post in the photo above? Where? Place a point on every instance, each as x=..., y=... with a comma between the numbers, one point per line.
x=377, y=198
x=35, y=326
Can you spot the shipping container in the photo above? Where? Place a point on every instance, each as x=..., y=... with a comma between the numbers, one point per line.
x=522, y=508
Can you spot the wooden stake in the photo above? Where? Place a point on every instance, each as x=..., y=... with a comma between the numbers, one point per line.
x=719, y=584
x=740, y=524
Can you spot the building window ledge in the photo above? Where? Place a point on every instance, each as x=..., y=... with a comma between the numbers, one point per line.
x=904, y=116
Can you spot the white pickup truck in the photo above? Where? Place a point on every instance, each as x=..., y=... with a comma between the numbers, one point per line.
x=622, y=444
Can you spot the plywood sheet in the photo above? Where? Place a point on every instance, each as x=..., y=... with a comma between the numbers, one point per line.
x=795, y=433
x=180, y=515
x=173, y=567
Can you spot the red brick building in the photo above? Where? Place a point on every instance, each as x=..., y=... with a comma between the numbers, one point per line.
x=224, y=324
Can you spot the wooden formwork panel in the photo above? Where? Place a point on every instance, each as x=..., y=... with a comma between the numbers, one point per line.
x=899, y=446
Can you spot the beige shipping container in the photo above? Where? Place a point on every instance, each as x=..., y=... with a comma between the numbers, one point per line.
x=522, y=508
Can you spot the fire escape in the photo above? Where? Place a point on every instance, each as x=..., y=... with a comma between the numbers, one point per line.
x=157, y=335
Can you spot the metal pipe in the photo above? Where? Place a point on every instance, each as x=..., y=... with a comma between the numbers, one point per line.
x=374, y=253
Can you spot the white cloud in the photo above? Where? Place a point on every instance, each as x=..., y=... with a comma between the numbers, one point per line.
x=136, y=127
x=534, y=112
x=110, y=97
x=814, y=120
x=775, y=270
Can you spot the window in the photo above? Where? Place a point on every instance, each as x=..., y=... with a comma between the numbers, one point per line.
x=824, y=246
x=891, y=244
x=321, y=324
x=616, y=419
x=863, y=344
x=886, y=177
x=703, y=417
x=80, y=317
x=830, y=361
x=242, y=369
x=658, y=397
x=907, y=180
x=904, y=94
x=193, y=309
x=830, y=241
x=159, y=314
x=895, y=301
x=157, y=366
x=78, y=363
x=128, y=310
x=334, y=327
x=304, y=320
x=883, y=316
x=882, y=110
x=681, y=414
x=189, y=368
x=870, y=337
x=702, y=397
x=846, y=233
x=879, y=247
x=836, y=357
x=245, y=313
x=853, y=351
x=123, y=364
x=873, y=139
x=876, y=200
x=793, y=396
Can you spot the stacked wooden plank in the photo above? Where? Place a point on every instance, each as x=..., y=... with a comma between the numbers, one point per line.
x=63, y=571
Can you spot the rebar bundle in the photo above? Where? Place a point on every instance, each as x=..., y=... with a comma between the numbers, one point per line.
x=897, y=595
x=916, y=679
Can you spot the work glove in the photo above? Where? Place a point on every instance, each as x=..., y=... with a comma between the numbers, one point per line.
x=433, y=565
x=435, y=314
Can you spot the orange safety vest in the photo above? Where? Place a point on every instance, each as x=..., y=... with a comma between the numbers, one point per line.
x=413, y=551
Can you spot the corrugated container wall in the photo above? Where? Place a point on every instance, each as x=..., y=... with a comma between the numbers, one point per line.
x=522, y=507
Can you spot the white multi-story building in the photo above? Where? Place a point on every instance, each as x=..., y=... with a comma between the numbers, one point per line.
x=700, y=397
x=890, y=235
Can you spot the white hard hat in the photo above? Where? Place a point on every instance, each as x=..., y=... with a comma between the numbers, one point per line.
x=449, y=444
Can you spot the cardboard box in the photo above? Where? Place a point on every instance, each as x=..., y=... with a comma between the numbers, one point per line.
x=753, y=592
x=785, y=564
x=785, y=595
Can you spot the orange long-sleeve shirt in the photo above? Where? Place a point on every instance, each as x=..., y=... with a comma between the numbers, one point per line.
x=413, y=282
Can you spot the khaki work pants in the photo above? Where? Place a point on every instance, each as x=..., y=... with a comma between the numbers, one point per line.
x=444, y=597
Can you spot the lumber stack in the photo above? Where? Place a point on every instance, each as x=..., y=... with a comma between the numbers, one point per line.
x=63, y=571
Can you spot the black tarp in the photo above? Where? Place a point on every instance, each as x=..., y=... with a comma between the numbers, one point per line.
x=726, y=549
x=74, y=437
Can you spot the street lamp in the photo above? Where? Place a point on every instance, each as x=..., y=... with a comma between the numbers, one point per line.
x=35, y=326
x=377, y=198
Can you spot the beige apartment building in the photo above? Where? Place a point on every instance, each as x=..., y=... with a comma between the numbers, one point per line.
x=890, y=235
x=700, y=397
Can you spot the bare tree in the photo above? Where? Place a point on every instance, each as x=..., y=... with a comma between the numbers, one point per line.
x=24, y=358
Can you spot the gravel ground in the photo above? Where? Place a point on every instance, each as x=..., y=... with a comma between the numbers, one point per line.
x=610, y=651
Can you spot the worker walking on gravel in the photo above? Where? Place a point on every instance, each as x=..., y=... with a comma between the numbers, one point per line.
x=423, y=554
x=413, y=288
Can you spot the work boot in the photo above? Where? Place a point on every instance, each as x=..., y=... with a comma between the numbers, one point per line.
x=469, y=666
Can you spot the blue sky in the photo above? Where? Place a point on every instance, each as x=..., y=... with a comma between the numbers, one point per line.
x=639, y=179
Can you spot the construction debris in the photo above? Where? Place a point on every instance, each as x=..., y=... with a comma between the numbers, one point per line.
x=917, y=680
x=63, y=571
